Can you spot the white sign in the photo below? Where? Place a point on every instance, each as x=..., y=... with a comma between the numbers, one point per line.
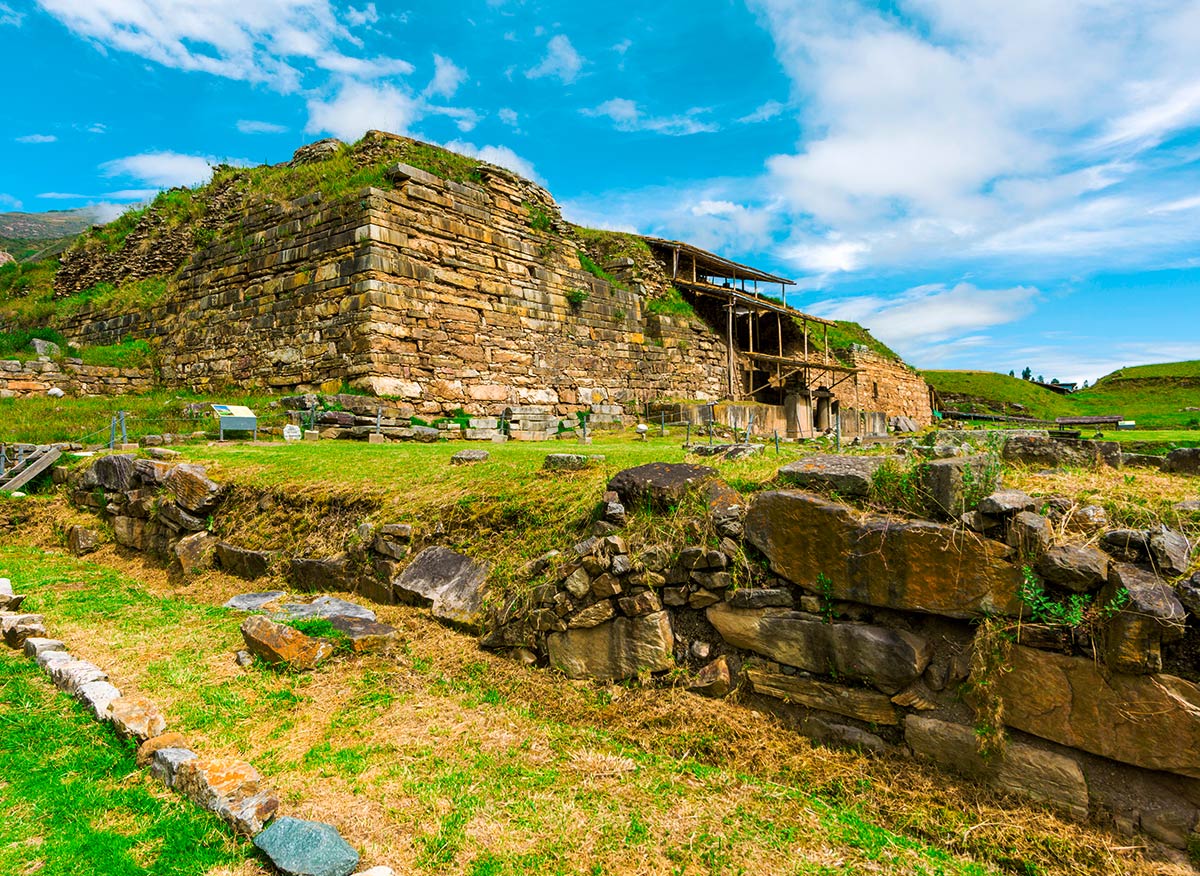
x=291, y=433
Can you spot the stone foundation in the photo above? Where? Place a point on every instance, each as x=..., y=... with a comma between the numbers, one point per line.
x=37, y=377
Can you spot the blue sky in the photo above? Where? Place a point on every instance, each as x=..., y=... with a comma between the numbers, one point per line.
x=983, y=183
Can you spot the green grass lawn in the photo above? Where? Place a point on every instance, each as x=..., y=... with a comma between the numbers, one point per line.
x=506, y=510
x=45, y=420
x=1155, y=396
x=73, y=801
x=441, y=758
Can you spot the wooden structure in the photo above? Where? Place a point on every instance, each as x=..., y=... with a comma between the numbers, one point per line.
x=30, y=462
x=755, y=327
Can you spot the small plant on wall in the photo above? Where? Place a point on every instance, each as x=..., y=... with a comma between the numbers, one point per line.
x=576, y=297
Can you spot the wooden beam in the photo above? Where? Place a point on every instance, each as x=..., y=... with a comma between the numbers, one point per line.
x=729, y=308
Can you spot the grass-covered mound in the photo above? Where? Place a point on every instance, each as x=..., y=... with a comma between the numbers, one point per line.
x=1155, y=396
x=142, y=251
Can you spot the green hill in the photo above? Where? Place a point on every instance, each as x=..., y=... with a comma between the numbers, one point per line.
x=1156, y=396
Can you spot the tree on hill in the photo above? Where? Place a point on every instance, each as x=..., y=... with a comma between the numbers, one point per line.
x=1010, y=373
x=1027, y=374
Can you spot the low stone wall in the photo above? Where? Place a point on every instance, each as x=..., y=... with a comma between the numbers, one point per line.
x=888, y=634
x=36, y=377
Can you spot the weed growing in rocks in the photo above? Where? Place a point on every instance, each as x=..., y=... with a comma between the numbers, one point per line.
x=990, y=651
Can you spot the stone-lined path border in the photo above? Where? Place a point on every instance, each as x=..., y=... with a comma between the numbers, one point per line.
x=231, y=788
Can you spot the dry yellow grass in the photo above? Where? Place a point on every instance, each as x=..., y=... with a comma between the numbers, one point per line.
x=442, y=758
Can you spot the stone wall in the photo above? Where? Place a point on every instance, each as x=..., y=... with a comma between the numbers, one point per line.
x=438, y=292
x=860, y=630
x=904, y=635
x=887, y=386
x=36, y=377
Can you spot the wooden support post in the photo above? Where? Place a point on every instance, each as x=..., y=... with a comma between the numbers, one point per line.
x=693, y=269
x=675, y=264
x=779, y=365
x=826, y=344
x=730, y=342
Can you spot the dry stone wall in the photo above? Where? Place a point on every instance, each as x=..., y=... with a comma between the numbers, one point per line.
x=880, y=633
x=440, y=293
x=886, y=386
x=37, y=377
x=447, y=295
x=894, y=634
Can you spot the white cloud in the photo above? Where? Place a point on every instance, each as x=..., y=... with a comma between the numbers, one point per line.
x=508, y=116
x=447, y=76
x=626, y=116
x=37, y=138
x=499, y=155
x=359, y=107
x=932, y=314
x=767, y=111
x=623, y=46
x=251, y=126
x=258, y=41
x=942, y=132
x=10, y=17
x=561, y=61
x=166, y=169
x=9, y=201
x=97, y=128
x=359, y=17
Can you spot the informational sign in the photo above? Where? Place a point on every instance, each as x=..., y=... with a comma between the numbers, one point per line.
x=291, y=432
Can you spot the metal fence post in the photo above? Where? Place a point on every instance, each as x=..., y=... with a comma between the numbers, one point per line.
x=776, y=442
x=378, y=420
x=112, y=434
x=124, y=436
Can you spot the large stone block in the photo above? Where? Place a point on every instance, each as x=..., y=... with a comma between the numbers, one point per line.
x=863, y=705
x=660, y=485
x=911, y=566
x=1052, y=452
x=450, y=583
x=950, y=483
x=620, y=648
x=1152, y=614
x=243, y=562
x=112, y=472
x=231, y=788
x=844, y=475
x=130, y=532
x=306, y=848
x=1185, y=460
x=1045, y=776
x=886, y=659
x=1074, y=567
x=279, y=644
x=1150, y=721
x=189, y=485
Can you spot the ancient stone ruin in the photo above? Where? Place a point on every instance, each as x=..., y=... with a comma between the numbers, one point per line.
x=469, y=293
x=1060, y=668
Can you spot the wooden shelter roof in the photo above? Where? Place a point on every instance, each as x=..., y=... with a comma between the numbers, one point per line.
x=712, y=265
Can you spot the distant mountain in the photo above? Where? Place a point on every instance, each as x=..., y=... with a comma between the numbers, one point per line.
x=51, y=225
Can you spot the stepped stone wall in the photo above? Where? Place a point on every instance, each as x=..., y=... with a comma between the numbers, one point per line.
x=437, y=292
x=440, y=293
